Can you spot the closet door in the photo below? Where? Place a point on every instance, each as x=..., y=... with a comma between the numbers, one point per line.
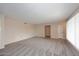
x=60, y=31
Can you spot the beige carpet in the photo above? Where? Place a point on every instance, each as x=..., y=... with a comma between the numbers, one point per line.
x=40, y=47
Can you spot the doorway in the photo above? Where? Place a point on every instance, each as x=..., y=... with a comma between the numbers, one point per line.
x=47, y=31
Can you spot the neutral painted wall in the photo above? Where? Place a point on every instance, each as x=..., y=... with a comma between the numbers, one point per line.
x=16, y=30
x=58, y=30
x=1, y=31
x=12, y=30
x=39, y=31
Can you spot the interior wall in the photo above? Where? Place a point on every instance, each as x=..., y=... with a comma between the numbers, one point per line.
x=12, y=30
x=58, y=30
x=1, y=31
x=16, y=30
x=39, y=31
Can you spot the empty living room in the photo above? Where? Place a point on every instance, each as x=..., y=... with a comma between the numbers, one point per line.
x=39, y=29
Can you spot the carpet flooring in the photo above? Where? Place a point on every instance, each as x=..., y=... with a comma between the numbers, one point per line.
x=39, y=47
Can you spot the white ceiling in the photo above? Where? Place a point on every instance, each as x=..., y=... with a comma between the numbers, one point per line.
x=37, y=13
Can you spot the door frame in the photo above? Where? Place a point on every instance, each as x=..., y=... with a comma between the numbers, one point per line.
x=49, y=36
